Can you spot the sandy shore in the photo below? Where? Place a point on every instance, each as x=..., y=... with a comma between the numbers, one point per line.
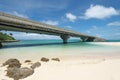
x=74, y=69
x=109, y=43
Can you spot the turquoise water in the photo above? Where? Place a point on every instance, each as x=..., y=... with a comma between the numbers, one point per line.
x=38, y=48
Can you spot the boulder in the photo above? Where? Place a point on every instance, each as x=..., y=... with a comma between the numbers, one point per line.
x=99, y=40
x=28, y=61
x=19, y=73
x=56, y=59
x=35, y=65
x=12, y=63
x=44, y=59
x=15, y=71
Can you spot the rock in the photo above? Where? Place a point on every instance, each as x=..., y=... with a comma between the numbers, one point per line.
x=35, y=65
x=19, y=73
x=44, y=59
x=12, y=63
x=28, y=61
x=99, y=40
x=15, y=71
x=56, y=59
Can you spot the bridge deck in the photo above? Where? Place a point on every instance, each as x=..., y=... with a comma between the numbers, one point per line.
x=15, y=23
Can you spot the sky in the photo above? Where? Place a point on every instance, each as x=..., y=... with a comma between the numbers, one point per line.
x=99, y=18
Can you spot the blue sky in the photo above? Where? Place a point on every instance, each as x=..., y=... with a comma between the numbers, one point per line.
x=94, y=17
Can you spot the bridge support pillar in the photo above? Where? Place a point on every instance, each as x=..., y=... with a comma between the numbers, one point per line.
x=64, y=38
x=1, y=45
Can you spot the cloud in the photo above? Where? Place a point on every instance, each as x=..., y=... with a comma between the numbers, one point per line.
x=20, y=15
x=23, y=35
x=88, y=31
x=35, y=36
x=34, y=5
x=116, y=23
x=99, y=12
x=94, y=28
x=71, y=17
x=69, y=27
x=51, y=22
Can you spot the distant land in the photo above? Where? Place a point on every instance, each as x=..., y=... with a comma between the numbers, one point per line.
x=7, y=38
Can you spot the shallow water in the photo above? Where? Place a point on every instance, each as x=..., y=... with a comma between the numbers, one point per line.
x=26, y=49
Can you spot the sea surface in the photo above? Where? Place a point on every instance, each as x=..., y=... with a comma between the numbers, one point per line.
x=39, y=48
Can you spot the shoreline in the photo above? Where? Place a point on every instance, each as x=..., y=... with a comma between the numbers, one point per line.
x=76, y=64
x=7, y=41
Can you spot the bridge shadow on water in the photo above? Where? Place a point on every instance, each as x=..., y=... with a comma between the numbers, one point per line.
x=40, y=44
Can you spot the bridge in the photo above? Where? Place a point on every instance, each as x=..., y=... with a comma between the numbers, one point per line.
x=14, y=23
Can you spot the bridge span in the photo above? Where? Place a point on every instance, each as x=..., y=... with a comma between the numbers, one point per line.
x=14, y=23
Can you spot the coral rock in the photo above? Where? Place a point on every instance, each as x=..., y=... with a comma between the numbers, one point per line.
x=35, y=65
x=56, y=59
x=12, y=63
x=44, y=59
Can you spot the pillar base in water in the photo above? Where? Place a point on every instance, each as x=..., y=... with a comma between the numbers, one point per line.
x=64, y=38
x=1, y=45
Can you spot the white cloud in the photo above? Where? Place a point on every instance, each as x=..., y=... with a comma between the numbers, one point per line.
x=35, y=5
x=33, y=36
x=69, y=27
x=20, y=15
x=71, y=17
x=116, y=23
x=23, y=35
x=99, y=12
x=88, y=31
x=98, y=35
x=51, y=22
x=94, y=28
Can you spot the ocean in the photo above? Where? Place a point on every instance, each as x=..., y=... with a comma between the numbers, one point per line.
x=39, y=48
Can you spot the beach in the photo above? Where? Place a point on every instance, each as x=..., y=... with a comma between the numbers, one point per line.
x=88, y=61
x=59, y=39
x=74, y=69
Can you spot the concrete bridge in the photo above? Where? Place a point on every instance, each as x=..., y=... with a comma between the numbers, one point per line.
x=14, y=23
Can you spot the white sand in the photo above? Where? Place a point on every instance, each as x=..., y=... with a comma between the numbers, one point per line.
x=75, y=69
x=109, y=43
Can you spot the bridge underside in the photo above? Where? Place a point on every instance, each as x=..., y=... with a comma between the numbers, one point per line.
x=64, y=37
x=14, y=23
x=84, y=39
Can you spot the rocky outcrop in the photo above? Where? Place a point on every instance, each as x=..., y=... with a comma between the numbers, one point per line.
x=35, y=65
x=28, y=61
x=19, y=73
x=99, y=40
x=56, y=59
x=12, y=63
x=15, y=71
x=43, y=59
x=92, y=39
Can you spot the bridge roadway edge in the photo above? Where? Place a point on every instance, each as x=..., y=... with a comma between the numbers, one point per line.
x=63, y=33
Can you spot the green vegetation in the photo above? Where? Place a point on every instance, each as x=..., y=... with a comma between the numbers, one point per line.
x=5, y=37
